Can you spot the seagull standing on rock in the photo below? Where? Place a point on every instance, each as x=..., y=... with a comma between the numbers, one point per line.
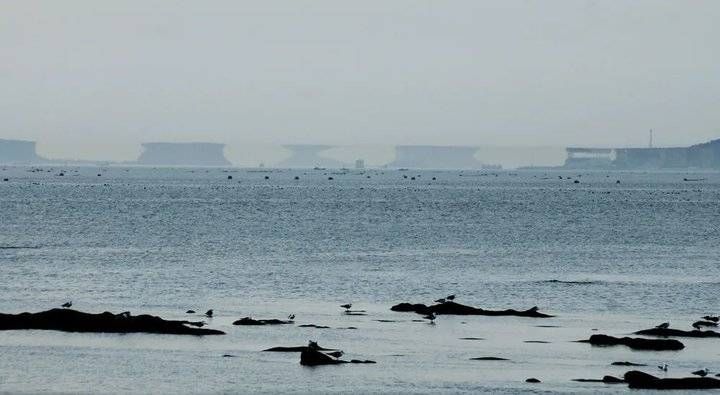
x=66, y=305
x=450, y=297
x=701, y=372
x=441, y=301
x=664, y=325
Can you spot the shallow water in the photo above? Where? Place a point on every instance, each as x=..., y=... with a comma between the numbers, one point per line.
x=160, y=241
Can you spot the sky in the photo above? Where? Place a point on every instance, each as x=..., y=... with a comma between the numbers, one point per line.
x=93, y=79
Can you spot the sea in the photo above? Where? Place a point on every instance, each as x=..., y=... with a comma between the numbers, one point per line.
x=604, y=252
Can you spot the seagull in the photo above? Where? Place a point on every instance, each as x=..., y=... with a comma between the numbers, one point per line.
x=450, y=297
x=663, y=367
x=66, y=305
x=346, y=306
x=701, y=372
x=431, y=316
x=441, y=301
x=698, y=324
x=712, y=318
x=209, y=313
x=336, y=354
x=664, y=325
x=125, y=314
x=291, y=317
x=313, y=345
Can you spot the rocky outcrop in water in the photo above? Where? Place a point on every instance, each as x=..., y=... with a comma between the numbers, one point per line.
x=641, y=380
x=668, y=332
x=636, y=343
x=460, y=309
x=247, y=321
x=68, y=320
x=312, y=357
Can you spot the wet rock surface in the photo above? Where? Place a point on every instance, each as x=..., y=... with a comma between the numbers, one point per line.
x=641, y=380
x=460, y=309
x=636, y=343
x=252, y=322
x=69, y=320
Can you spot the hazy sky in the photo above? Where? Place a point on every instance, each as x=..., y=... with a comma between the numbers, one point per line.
x=92, y=79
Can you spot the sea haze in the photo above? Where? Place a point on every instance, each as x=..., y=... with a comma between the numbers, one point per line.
x=615, y=251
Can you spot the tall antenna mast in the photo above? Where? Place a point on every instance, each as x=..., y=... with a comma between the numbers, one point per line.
x=650, y=144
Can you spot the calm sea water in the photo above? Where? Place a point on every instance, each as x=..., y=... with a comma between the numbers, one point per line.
x=161, y=241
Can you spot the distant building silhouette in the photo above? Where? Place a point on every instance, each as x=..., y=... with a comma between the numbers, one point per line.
x=183, y=154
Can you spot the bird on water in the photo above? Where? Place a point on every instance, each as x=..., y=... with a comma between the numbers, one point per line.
x=663, y=367
x=209, y=313
x=346, y=306
x=67, y=305
x=291, y=317
x=431, y=316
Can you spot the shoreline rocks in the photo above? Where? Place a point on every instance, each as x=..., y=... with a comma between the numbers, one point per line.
x=641, y=380
x=453, y=308
x=247, y=321
x=636, y=343
x=68, y=320
x=668, y=332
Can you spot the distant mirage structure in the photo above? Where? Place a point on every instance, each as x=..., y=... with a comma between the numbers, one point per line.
x=699, y=156
x=19, y=152
x=183, y=154
x=309, y=156
x=435, y=157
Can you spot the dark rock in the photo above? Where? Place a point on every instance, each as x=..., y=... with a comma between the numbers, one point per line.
x=313, y=357
x=69, y=320
x=296, y=349
x=314, y=326
x=532, y=380
x=636, y=343
x=459, y=309
x=625, y=363
x=190, y=312
x=310, y=357
x=228, y=356
x=636, y=379
x=251, y=322
x=536, y=342
x=667, y=332
x=472, y=338
x=605, y=379
x=488, y=359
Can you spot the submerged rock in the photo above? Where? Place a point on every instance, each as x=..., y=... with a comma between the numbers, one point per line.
x=313, y=326
x=636, y=343
x=489, y=359
x=636, y=379
x=668, y=332
x=626, y=363
x=313, y=357
x=605, y=379
x=69, y=320
x=251, y=322
x=459, y=309
x=296, y=349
